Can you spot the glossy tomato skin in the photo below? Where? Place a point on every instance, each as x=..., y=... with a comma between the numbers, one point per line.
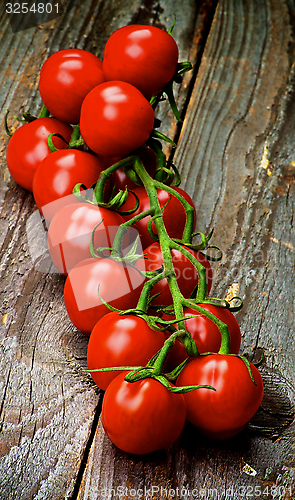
x=174, y=216
x=28, y=147
x=115, y=119
x=120, y=341
x=70, y=231
x=142, y=417
x=186, y=273
x=66, y=77
x=205, y=333
x=223, y=413
x=149, y=160
x=144, y=56
x=57, y=175
x=119, y=285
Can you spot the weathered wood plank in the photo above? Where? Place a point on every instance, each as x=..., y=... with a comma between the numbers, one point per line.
x=47, y=405
x=236, y=156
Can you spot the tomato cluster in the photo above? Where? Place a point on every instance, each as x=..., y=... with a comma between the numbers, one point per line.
x=121, y=231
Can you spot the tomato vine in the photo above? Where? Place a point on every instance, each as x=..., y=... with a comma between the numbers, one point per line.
x=116, y=136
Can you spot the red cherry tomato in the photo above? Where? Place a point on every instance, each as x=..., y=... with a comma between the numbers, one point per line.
x=119, y=284
x=186, y=273
x=70, y=231
x=115, y=119
x=142, y=417
x=108, y=161
x=144, y=56
x=28, y=147
x=149, y=160
x=120, y=341
x=223, y=413
x=205, y=333
x=57, y=175
x=174, y=216
x=66, y=77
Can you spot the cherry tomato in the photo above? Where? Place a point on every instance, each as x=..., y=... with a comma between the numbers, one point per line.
x=28, y=147
x=149, y=160
x=115, y=119
x=205, y=333
x=223, y=413
x=66, y=77
x=119, y=284
x=70, y=231
x=144, y=56
x=185, y=271
x=57, y=175
x=142, y=417
x=120, y=341
x=174, y=216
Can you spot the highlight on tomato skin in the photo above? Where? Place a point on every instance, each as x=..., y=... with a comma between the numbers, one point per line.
x=205, y=333
x=142, y=417
x=57, y=175
x=120, y=341
x=70, y=231
x=223, y=413
x=119, y=285
x=116, y=119
x=145, y=56
x=66, y=77
x=28, y=147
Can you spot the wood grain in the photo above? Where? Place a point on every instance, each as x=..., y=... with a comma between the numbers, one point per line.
x=236, y=155
x=235, y=144
x=48, y=406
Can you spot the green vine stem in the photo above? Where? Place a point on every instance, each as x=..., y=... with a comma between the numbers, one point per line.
x=123, y=229
x=167, y=244
x=142, y=304
x=182, y=68
x=75, y=142
x=27, y=118
x=106, y=174
x=44, y=113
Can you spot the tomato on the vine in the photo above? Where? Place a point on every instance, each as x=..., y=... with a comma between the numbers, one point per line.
x=174, y=216
x=57, y=175
x=70, y=230
x=117, y=283
x=223, y=413
x=185, y=272
x=205, y=333
x=121, y=340
x=28, y=147
x=143, y=416
x=144, y=56
x=115, y=119
x=66, y=77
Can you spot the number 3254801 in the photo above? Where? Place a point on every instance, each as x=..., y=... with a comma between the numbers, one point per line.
x=24, y=8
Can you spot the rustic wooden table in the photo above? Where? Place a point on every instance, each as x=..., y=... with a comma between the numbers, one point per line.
x=237, y=158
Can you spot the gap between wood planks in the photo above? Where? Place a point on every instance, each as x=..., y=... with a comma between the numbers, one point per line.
x=87, y=450
x=195, y=72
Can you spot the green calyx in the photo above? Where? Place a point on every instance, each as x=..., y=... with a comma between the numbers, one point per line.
x=26, y=118
x=154, y=370
x=76, y=141
x=137, y=373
